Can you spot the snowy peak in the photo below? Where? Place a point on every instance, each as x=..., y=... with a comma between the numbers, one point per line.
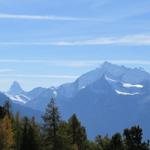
x=115, y=72
x=108, y=77
x=108, y=69
x=17, y=94
x=15, y=89
x=107, y=64
x=117, y=75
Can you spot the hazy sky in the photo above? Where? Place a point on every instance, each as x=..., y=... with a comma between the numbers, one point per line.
x=45, y=42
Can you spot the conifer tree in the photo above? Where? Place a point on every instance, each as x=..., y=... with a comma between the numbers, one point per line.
x=6, y=134
x=29, y=139
x=17, y=131
x=103, y=143
x=2, y=112
x=51, y=126
x=7, y=108
x=77, y=132
x=35, y=136
x=133, y=139
x=117, y=142
x=64, y=136
x=25, y=137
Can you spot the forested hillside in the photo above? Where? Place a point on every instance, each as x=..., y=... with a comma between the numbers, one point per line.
x=54, y=133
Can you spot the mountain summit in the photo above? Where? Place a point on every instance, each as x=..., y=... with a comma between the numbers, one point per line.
x=15, y=89
x=112, y=97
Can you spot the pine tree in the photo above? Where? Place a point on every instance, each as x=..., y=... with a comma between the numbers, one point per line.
x=17, y=131
x=117, y=142
x=6, y=134
x=7, y=108
x=77, y=132
x=35, y=136
x=30, y=139
x=51, y=126
x=2, y=112
x=64, y=136
x=25, y=137
x=133, y=139
x=103, y=143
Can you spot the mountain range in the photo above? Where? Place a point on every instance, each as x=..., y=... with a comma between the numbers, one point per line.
x=106, y=100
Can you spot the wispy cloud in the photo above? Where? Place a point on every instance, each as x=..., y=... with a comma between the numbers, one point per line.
x=131, y=62
x=6, y=70
x=95, y=63
x=39, y=76
x=47, y=18
x=123, y=40
x=134, y=40
x=72, y=63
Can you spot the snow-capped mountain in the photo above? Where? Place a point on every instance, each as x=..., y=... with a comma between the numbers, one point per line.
x=104, y=96
x=115, y=74
x=15, y=89
x=18, y=95
x=16, y=107
x=124, y=81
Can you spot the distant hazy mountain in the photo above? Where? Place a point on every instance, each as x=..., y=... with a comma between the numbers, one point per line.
x=18, y=95
x=23, y=110
x=107, y=99
x=40, y=102
x=15, y=89
x=3, y=98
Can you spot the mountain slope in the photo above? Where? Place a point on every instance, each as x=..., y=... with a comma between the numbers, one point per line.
x=114, y=72
x=23, y=110
x=102, y=110
x=15, y=89
x=18, y=95
x=107, y=99
x=40, y=102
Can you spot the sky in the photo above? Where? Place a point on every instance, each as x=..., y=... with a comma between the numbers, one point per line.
x=47, y=43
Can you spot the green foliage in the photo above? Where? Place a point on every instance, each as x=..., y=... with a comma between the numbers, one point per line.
x=17, y=127
x=103, y=143
x=77, y=133
x=64, y=136
x=133, y=139
x=117, y=142
x=5, y=110
x=6, y=134
x=51, y=127
x=18, y=133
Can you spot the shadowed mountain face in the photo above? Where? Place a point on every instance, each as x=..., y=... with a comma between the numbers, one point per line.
x=23, y=110
x=107, y=99
x=3, y=98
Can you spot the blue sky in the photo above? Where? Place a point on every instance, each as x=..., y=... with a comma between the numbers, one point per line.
x=46, y=43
